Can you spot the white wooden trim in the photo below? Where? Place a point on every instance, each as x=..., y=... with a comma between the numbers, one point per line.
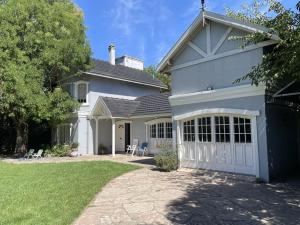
x=126, y=80
x=149, y=116
x=97, y=135
x=161, y=120
x=197, y=49
x=226, y=111
x=218, y=94
x=224, y=54
x=102, y=103
x=208, y=38
x=222, y=40
x=113, y=144
x=255, y=143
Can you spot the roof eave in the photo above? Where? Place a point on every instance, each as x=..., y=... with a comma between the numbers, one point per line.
x=125, y=80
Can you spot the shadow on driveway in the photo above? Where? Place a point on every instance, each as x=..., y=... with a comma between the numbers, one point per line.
x=221, y=200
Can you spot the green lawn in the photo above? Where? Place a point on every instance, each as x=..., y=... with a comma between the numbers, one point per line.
x=51, y=193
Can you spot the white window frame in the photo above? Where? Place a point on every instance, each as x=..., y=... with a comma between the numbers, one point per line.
x=87, y=91
x=156, y=122
x=190, y=133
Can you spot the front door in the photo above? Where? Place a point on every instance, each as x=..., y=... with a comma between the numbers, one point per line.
x=127, y=135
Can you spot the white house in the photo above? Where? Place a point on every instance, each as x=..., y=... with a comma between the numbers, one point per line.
x=119, y=102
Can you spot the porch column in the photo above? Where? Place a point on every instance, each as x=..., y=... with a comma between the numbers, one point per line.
x=113, y=144
x=146, y=132
x=97, y=135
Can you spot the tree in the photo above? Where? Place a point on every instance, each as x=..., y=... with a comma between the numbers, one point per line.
x=163, y=77
x=282, y=64
x=41, y=41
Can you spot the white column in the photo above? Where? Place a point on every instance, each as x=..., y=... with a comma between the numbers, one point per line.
x=146, y=132
x=179, y=147
x=97, y=135
x=113, y=144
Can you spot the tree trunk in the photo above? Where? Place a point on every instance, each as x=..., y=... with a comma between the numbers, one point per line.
x=21, y=137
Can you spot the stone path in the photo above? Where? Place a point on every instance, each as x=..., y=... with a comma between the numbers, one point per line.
x=147, y=196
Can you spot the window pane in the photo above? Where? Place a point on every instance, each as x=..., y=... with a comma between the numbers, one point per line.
x=82, y=91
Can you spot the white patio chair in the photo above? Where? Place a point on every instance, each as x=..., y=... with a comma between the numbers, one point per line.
x=29, y=154
x=38, y=155
x=132, y=148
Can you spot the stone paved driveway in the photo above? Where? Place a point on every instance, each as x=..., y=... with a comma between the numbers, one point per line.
x=147, y=196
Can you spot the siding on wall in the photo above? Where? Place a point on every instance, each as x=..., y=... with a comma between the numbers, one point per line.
x=282, y=136
x=248, y=103
x=219, y=73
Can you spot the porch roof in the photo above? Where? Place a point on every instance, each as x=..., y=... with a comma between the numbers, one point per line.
x=143, y=106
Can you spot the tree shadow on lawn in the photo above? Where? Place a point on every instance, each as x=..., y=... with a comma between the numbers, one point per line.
x=221, y=200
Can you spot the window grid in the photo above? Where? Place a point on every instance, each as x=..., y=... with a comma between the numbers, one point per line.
x=169, y=129
x=82, y=92
x=189, y=131
x=204, y=129
x=242, y=130
x=222, y=129
x=153, y=131
x=161, y=130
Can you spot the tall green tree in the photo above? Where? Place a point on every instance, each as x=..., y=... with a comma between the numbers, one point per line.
x=163, y=77
x=282, y=64
x=41, y=41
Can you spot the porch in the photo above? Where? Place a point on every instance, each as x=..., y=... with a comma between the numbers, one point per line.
x=115, y=124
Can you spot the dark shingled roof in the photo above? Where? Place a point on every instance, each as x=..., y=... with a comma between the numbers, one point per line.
x=142, y=106
x=153, y=104
x=120, y=107
x=122, y=72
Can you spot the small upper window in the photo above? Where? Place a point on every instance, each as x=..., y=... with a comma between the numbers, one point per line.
x=82, y=92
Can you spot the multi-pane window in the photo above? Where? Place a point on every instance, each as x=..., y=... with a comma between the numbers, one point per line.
x=153, y=131
x=82, y=92
x=242, y=130
x=204, y=129
x=189, y=130
x=222, y=129
x=161, y=130
x=169, y=130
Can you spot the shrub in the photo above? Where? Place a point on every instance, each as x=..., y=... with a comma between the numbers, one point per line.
x=74, y=145
x=59, y=151
x=167, y=160
x=102, y=149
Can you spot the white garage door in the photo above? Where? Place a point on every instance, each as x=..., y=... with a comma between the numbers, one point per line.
x=219, y=142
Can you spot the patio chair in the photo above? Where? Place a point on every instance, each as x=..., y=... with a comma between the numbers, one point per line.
x=38, y=155
x=132, y=148
x=142, y=149
x=29, y=154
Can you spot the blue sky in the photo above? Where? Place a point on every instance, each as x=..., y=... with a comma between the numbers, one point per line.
x=146, y=29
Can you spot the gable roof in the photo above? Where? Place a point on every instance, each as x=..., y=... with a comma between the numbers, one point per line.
x=143, y=106
x=226, y=20
x=123, y=73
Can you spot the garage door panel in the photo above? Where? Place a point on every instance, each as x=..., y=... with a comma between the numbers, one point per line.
x=249, y=155
x=239, y=155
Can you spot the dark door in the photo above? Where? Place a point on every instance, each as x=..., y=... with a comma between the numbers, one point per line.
x=127, y=135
